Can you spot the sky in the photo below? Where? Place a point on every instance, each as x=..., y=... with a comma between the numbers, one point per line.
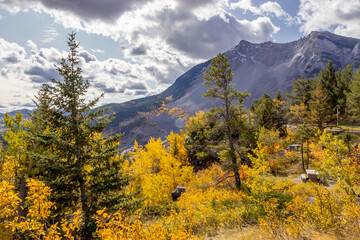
x=136, y=48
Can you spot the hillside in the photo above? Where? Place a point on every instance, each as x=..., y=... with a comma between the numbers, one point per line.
x=258, y=68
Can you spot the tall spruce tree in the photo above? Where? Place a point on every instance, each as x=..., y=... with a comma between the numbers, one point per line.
x=321, y=113
x=218, y=79
x=270, y=113
x=343, y=78
x=81, y=167
x=301, y=93
x=329, y=82
x=353, y=97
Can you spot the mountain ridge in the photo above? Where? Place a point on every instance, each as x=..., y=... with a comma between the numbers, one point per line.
x=258, y=68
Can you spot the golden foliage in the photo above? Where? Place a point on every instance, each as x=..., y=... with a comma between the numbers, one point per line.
x=119, y=227
x=157, y=171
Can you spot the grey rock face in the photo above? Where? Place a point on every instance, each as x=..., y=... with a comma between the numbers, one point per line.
x=258, y=68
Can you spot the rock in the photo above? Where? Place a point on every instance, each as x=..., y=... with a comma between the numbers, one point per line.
x=177, y=192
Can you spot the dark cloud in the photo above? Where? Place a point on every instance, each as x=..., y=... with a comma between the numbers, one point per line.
x=139, y=50
x=127, y=87
x=140, y=92
x=158, y=75
x=41, y=75
x=191, y=4
x=135, y=85
x=115, y=71
x=4, y=72
x=12, y=58
x=205, y=38
x=107, y=10
x=104, y=88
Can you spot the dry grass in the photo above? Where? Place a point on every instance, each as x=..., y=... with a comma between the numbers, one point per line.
x=255, y=233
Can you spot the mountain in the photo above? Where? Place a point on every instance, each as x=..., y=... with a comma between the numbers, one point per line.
x=258, y=68
x=24, y=112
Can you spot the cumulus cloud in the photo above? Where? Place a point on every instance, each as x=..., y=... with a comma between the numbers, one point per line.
x=88, y=57
x=119, y=79
x=198, y=28
x=338, y=16
x=139, y=50
x=205, y=38
x=32, y=46
x=266, y=9
x=11, y=52
x=39, y=74
x=161, y=39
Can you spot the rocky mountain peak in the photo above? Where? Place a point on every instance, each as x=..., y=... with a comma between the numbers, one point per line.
x=258, y=68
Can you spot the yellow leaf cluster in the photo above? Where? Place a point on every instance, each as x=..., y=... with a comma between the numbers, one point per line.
x=157, y=171
x=8, y=200
x=118, y=227
x=178, y=112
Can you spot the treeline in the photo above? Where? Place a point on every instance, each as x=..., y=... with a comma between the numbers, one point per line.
x=328, y=100
x=61, y=179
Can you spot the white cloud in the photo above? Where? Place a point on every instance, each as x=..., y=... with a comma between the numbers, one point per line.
x=31, y=45
x=22, y=76
x=97, y=51
x=339, y=16
x=203, y=23
x=161, y=39
x=50, y=34
x=266, y=9
x=11, y=53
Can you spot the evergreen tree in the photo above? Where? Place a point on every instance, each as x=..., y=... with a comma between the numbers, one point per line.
x=343, y=79
x=328, y=80
x=320, y=113
x=270, y=113
x=353, y=97
x=201, y=139
x=218, y=79
x=80, y=166
x=301, y=93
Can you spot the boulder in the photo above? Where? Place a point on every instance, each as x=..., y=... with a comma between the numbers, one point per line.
x=177, y=192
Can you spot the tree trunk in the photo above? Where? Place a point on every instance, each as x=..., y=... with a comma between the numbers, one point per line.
x=302, y=157
x=83, y=197
x=85, y=209
x=231, y=144
x=22, y=196
x=237, y=178
x=233, y=157
x=308, y=153
x=233, y=161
